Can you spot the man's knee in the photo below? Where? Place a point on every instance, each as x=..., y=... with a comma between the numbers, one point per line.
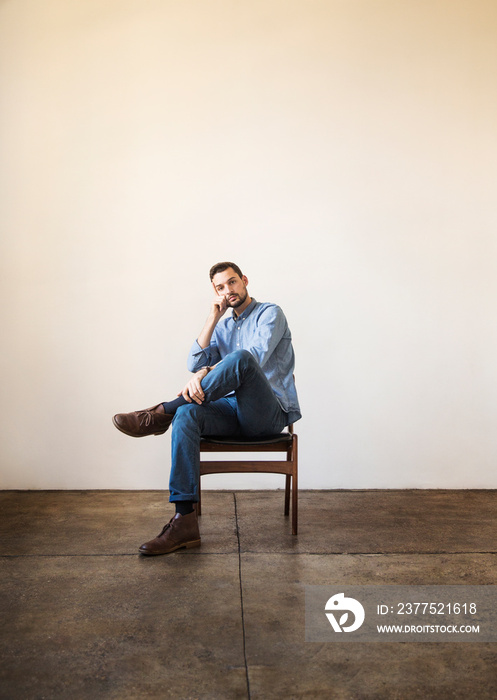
x=242, y=358
x=244, y=355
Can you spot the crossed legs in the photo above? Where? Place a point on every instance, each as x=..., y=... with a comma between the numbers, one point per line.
x=252, y=410
x=238, y=401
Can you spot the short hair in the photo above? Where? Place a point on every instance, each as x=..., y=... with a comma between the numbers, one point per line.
x=222, y=266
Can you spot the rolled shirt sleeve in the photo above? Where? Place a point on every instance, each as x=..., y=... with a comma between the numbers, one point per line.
x=201, y=357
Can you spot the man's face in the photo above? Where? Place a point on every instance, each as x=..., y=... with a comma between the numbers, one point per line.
x=228, y=284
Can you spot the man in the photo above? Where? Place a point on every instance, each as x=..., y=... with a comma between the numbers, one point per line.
x=242, y=386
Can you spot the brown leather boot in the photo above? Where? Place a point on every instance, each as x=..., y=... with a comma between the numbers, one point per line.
x=140, y=423
x=180, y=531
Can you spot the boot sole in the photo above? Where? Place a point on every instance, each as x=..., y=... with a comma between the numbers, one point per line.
x=184, y=545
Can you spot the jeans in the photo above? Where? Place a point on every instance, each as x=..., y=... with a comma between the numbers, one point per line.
x=252, y=411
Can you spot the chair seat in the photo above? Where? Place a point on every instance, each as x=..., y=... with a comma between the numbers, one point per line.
x=285, y=442
x=265, y=440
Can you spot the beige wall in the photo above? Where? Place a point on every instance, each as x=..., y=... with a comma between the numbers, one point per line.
x=343, y=152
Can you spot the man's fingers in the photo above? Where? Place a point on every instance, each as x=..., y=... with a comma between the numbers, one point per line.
x=184, y=394
x=196, y=397
x=220, y=303
x=193, y=391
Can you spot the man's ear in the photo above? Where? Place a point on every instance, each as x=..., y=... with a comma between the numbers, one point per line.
x=214, y=288
x=245, y=280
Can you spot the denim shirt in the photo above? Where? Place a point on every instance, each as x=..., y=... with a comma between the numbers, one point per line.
x=262, y=329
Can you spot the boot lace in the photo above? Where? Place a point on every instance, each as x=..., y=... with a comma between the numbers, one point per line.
x=166, y=527
x=146, y=418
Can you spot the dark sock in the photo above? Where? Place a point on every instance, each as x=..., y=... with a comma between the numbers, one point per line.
x=184, y=507
x=172, y=406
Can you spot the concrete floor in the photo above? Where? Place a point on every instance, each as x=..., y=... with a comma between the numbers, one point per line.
x=84, y=616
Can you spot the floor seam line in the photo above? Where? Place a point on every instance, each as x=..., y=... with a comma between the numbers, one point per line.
x=254, y=551
x=129, y=554
x=382, y=554
x=241, y=597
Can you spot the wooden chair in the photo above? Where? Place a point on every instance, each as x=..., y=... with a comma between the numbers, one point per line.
x=283, y=442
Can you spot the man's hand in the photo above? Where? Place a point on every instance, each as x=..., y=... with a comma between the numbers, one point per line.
x=193, y=390
x=219, y=306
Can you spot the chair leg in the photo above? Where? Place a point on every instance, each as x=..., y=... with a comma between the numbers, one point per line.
x=295, y=492
x=199, y=504
x=287, y=493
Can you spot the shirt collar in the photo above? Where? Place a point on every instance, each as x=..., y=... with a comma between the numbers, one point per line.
x=246, y=313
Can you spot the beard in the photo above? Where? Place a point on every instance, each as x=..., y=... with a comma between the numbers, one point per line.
x=240, y=298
